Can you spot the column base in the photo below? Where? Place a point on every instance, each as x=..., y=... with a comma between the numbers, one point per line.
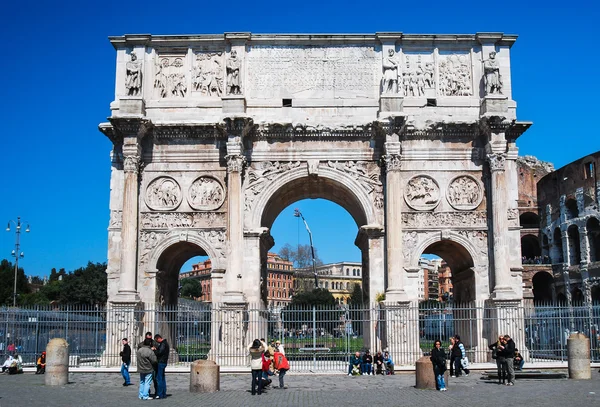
x=234, y=297
x=121, y=323
x=395, y=295
x=402, y=331
x=390, y=105
x=505, y=293
x=493, y=105
x=126, y=297
x=230, y=335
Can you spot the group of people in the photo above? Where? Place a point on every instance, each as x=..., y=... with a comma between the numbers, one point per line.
x=267, y=360
x=367, y=365
x=152, y=359
x=458, y=361
x=13, y=364
x=507, y=358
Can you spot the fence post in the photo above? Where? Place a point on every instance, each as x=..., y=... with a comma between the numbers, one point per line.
x=314, y=338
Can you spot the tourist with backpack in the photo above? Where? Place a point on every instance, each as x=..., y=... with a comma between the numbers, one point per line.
x=282, y=366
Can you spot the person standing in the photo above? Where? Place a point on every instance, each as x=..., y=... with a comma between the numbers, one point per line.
x=126, y=361
x=459, y=353
x=497, y=354
x=256, y=351
x=438, y=360
x=162, y=357
x=282, y=365
x=154, y=345
x=279, y=347
x=451, y=353
x=146, y=359
x=508, y=351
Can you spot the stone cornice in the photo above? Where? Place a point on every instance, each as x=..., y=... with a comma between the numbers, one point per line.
x=190, y=131
x=109, y=131
x=443, y=131
x=291, y=131
x=130, y=126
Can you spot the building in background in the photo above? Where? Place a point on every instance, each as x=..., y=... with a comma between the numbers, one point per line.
x=445, y=282
x=339, y=278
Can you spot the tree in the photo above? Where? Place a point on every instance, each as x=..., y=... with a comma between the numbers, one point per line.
x=356, y=297
x=86, y=285
x=7, y=281
x=301, y=255
x=318, y=297
x=190, y=288
x=357, y=305
x=300, y=311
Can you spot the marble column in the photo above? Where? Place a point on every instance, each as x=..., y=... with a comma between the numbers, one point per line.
x=393, y=223
x=499, y=203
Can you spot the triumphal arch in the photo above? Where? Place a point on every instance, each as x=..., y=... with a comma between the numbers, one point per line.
x=214, y=135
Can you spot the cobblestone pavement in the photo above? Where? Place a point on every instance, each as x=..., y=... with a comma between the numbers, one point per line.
x=105, y=389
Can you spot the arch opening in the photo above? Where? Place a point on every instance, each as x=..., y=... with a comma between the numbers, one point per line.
x=543, y=287
x=572, y=211
x=530, y=249
x=557, y=247
x=577, y=296
x=574, y=247
x=593, y=232
x=460, y=264
x=529, y=220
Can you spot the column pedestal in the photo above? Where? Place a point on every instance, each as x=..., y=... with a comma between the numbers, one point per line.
x=121, y=322
x=402, y=331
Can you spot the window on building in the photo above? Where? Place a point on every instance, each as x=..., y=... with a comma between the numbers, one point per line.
x=347, y=272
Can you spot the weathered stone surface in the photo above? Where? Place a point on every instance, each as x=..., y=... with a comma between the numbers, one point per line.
x=204, y=376
x=578, y=356
x=57, y=362
x=424, y=375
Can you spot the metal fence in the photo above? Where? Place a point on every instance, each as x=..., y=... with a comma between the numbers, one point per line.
x=314, y=338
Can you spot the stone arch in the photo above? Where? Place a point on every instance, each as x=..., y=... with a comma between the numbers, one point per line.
x=574, y=245
x=577, y=296
x=530, y=248
x=529, y=220
x=595, y=293
x=296, y=184
x=459, y=254
x=571, y=209
x=543, y=284
x=593, y=232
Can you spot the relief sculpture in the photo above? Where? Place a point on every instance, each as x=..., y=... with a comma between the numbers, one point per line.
x=207, y=77
x=418, y=76
x=163, y=193
x=148, y=241
x=422, y=193
x=172, y=220
x=206, y=194
x=389, y=83
x=455, y=75
x=234, y=85
x=492, y=77
x=169, y=78
x=133, y=79
x=464, y=193
x=368, y=180
x=435, y=220
x=261, y=175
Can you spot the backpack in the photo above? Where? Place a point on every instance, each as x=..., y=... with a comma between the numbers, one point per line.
x=266, y=362
x=281, y=361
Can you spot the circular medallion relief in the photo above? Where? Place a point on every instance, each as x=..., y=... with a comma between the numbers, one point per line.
x=422, y=193
x=206, y=194
x=464, y=193
x=163, y=193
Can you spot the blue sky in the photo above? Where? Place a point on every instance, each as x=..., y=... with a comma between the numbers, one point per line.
x=57, y=81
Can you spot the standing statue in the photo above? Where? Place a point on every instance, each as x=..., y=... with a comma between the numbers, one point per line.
x=133, y=81
x=390, y=73
x=233, y=74
x=493, y=79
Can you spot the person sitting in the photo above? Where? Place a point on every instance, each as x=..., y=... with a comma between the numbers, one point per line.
x=16, y=366
x=388, y=363
x=518, y=361
x=267, y=369
x=7, y=363
x=378, y=360
x=41, y=364
x=367, y=365
x=355, y=365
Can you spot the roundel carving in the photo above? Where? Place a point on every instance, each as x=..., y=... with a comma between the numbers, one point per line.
x=206, y=194
x=464, y=193
x=422, y=193
x=163, y=193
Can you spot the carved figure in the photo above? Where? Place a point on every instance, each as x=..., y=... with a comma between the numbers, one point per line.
x=160, y=78
x=133, y=79
x=464, y=193
x=429, y=74
x=208, y=74
x=390, y=73
x=493, y=79
x=455, y=76
x=422, y=193
x=233, y=74
x=206, y=193
x=163, y=193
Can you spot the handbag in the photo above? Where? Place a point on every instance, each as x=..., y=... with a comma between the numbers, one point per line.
x=494, y=353
x=464, y=362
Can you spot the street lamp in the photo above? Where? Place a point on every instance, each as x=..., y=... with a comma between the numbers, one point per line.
x=298, y=214
x=15, y=253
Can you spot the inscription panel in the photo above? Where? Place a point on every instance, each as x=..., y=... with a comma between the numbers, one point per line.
x=311, y=72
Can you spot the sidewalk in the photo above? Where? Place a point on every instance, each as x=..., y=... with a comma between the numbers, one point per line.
x=105, y=389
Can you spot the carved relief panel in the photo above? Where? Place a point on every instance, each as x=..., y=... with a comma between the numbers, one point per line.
x=418, y=74
x=207, y=74
x=259, y=175
x=206, y=194
x=170, y=80
x=163, y=194
x=422, y=193
x=464, y=193
x=455, y=78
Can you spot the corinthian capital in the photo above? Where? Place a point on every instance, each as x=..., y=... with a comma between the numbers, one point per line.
x=392, y=162
x=497, y=161
x=235, y=162
x=131, y=163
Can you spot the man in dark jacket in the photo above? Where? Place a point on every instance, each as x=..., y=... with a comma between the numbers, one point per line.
x=126, y=359
x=367, y=365
x=162, y=355
x=438, y=360
x=508, y=351
x=146, y=359
x=457, y=355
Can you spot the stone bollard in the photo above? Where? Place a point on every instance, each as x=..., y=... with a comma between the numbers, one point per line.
x=578, y=356
x=204, y=376
x=424, y=374
x=57, y=362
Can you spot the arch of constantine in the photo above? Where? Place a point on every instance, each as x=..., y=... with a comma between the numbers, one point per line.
x=214, y=135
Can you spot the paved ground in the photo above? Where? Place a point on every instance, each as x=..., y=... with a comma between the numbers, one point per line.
x=105, y=389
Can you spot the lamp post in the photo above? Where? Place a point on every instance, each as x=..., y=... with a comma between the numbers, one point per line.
x=298, y=214
x=15, y=253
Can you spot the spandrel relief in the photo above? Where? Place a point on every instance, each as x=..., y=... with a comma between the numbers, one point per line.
x=163, y=193
x=422, y=193
x=206, y=194
x=464, y=193
x=169, y=78
x=455, y=75
x=418, y=75
x=207, y=74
